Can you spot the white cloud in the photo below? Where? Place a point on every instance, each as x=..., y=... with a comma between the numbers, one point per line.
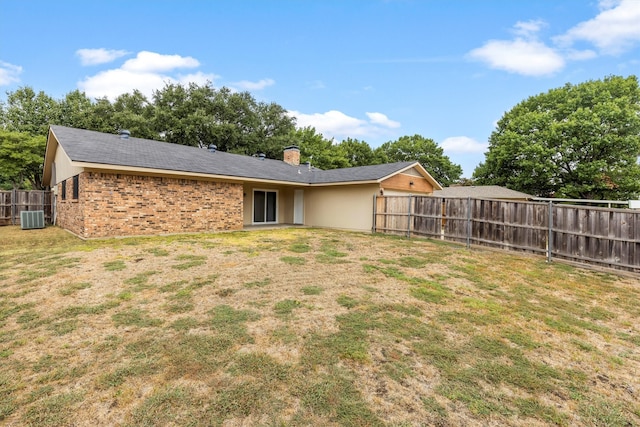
x=99, y=56
x=614, y=30
x=155, y=62
x=147, y=72
x=463, y=144
x=259, y=85
x=331, y=124
x=528, y=57
x=528, y=29
x=382, y=120
x=9, y=73
x=336, y=124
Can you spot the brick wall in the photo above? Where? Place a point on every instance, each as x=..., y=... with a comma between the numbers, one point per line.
x=125, y=205
x=69, y=212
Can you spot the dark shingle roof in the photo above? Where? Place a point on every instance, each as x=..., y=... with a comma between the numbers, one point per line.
x=108, y=149
x=482, y=191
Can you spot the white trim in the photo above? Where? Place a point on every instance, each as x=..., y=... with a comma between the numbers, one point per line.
x=253, y=205
x=298, y=206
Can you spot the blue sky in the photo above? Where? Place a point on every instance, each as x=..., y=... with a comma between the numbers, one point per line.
x=373, y=70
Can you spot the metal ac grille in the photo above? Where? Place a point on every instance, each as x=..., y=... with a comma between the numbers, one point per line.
x=31, y=219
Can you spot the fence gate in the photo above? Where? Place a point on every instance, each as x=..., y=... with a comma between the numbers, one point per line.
x=13, y=202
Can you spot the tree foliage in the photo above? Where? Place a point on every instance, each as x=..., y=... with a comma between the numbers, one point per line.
x=577, y=141
x=200, y=115
x=30, y=112
x=320, y=152
x=427, y=152
x=21, y=156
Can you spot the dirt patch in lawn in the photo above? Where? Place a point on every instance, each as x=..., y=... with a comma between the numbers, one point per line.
x=308, y=327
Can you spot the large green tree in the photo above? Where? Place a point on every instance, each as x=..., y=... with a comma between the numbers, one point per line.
x=21, y=157
x=317, y=150
x=427, y=152
x=359, y=153
x=233, y=121
x=577, y=141
x=30, y=112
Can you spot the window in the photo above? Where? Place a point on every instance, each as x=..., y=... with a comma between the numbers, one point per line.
x=63, y=192
x=265, y=206
x=76, y=186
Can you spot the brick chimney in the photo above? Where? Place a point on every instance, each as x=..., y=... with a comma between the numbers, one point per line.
x=292, y=155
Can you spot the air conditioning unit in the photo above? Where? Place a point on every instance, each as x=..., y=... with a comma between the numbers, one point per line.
x=31, y=219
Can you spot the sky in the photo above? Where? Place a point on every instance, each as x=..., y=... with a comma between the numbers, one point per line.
x=372, y=70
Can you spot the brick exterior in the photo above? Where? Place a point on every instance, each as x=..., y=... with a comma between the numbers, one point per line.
x=128, y=205
x=292, y=155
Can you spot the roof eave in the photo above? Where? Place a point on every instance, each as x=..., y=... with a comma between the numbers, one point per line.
x=152, y=171
x=436, y=185
x=49, y=155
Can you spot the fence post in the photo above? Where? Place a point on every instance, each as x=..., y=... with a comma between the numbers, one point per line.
x=409, y=218
x=375, y=211
x=469, y=222
x=550, y=233
x=13, y=206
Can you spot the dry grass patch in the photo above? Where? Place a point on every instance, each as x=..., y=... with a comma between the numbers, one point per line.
x=308, y=327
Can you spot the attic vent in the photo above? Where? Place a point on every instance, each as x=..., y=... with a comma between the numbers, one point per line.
x=31, y=219
x=212, y=148
x=262, y=156
x=124, y=134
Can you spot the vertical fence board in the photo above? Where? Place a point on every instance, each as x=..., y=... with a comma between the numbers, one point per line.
x=603, y=236
x=15, y=201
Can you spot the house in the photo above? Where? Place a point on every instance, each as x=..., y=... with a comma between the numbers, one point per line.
x=482, y=192
x=117, y=185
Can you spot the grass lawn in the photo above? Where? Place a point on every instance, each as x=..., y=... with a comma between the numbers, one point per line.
x=308, y=327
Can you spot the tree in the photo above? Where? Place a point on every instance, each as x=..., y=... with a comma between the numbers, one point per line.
x=75, y=110
x=29, y=112
x=317, y=150
x=577, y=141
x=425, y=151
x=358, y=153
x=233, y=121
x=21, y=158
x=133, y=112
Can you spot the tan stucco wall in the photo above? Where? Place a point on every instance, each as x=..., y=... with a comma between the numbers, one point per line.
x=347, y=207
x=284, y=201
x=63, y=168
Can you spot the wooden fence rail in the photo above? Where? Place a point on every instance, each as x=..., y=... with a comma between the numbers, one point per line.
x=584, y=234
x=13, y=202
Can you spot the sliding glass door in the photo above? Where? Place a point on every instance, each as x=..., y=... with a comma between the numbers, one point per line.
x=265, y=206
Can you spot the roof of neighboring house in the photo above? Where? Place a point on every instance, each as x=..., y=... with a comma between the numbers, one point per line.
x=108, y=151
x=482, y=192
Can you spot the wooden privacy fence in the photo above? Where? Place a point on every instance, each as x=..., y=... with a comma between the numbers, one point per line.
x=15, y=201
x=584, y=234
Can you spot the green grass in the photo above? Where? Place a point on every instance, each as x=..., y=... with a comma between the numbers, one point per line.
x=52, y=411
x=116, y=265
x=73, y=288
x=190, y=261
x=135, y=317
x=311, y=290
x=293, y=260
x=286, y=307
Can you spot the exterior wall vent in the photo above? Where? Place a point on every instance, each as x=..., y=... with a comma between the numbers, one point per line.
x=31, y=219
